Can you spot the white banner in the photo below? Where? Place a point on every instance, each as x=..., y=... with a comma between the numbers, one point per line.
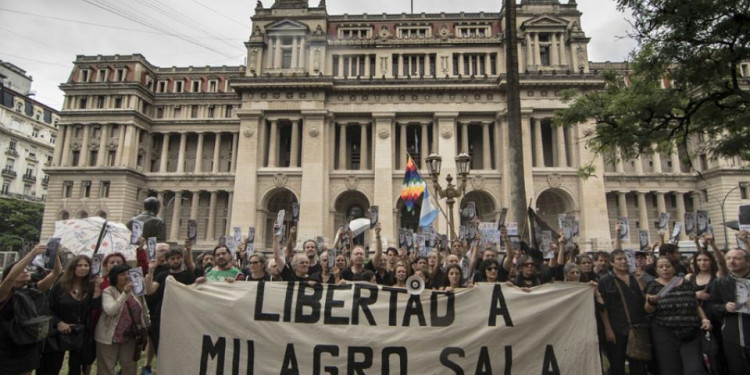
x=288, y=328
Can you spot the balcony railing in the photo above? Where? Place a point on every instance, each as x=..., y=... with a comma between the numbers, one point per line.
x=7, y=172
x=29, y=178
x=45, y=181
x=11, y=152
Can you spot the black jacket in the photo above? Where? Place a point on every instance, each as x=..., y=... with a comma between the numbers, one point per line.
x=723, y=290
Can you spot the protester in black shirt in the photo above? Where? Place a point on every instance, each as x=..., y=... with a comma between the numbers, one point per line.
x=724, y=305
x=490, y=271
x=587, y=268
x=299, y=267
x=529, y=275
x=383, y=276
x=71, y=301
x=671, y=252
x=613, y=316
x=156, y=283
x=358, y=264
x=310, y=248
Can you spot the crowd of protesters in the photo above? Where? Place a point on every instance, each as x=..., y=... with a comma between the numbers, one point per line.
x=697, y=324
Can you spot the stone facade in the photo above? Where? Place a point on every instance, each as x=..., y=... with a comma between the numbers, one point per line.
x=324, y=114
x=28, y=132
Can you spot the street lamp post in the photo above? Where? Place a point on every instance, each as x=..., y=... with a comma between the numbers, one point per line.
x=741, y=185
x=451, y=192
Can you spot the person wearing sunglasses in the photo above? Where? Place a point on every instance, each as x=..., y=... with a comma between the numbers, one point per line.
x=528, y=274
x=491, y=272
x=256, y=269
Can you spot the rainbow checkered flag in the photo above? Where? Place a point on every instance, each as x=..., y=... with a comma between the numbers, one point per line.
x=413, y=186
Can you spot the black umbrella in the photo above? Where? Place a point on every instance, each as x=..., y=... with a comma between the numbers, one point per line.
x=734, y=224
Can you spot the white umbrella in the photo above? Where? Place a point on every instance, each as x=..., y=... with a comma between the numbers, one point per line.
x=82, y=235
x=357, y=226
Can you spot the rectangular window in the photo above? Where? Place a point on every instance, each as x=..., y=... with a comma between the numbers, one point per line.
x=12, y=145
x=93, y=155
x=118, y=101
x=6, y=188
x=120, y=75
x=113, y=130
x=82, y=102
x=160, y=112
x=86, y=189
x=414, y=32
x=35, y=132
x=101, y=75
x=85, y=75
x=111, y=158
x=104, y=190
x=178, y=85
x=193, y=111
x=177, y=112
x=286, y=59
x=52, y=139
x=213, y=85
x=67, y=189
x=100, y=102
x=228, y=111
x=76, y=158
x=196, y=86
x=544, y=54
x=211, y=111
x=161, y=87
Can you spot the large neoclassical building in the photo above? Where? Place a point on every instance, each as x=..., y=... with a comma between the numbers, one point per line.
x=325, y=113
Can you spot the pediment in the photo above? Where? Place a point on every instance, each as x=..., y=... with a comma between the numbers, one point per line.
x=287, y=25
x=544, y=22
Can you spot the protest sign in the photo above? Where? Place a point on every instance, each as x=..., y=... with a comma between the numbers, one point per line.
x=364, y=328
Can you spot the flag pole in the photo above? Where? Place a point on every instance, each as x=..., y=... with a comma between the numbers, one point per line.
x=526, y=222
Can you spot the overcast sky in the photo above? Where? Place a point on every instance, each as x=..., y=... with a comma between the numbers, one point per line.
x=43, y=37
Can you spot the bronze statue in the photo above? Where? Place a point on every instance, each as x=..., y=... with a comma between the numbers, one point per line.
x=153, y=226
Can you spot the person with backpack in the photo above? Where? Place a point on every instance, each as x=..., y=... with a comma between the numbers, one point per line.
x=18, y=358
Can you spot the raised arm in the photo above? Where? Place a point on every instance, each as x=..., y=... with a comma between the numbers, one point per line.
x=509, y=254
x=720, y=260
x=560, y=259
x=290, y=242
x=8, y=280
x=189, y=263
x=48, y=281
x=378, y=249
x=151, y=285
x=618, y=241
x=276, y=251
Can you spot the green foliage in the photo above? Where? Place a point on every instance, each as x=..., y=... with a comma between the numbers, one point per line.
x=19, y=220
x=698, y=45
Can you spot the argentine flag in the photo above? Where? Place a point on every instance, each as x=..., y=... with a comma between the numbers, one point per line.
x=429, y=212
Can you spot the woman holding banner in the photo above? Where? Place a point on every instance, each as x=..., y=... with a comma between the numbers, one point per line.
x=453, y=278
x=677, y=321
x=489, y=271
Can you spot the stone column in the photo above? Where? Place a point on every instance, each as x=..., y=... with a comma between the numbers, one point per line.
x=194, y=202
x=164, y=153
x=135, y=147
x=563, y=51
x=424, y=146
x=656, y=159
x=643, y=211
x=84, y=159
x=342, y=147
x=199, y=153
x=149, y=148
x=675, y=158
x=277, y=54
x=67, y=134
x=402, y=146
x=537, y=53
x=294, y=52
x=245, y=205
x=160, y=197
x=102, y=155
x=464, y=137
x=174, y=228
x=499, y=143
x=487, y=64
x=181, y=153
x=661, y=204
x=400, y=65
x=128, y=145
x=619, y=164
x=486, y=149
x=622, y=204
x=427, y=65
x=680, y=203
x=554, y=57
x=217, y=145
x=538, y=151
x=120, y=146
x=367, y=65
x=383, y=153
x=294, y=159
x=446, y=124
x=562, y=157
x=461, y=68
x=529, y=51
x=235, y=139
x=639, y=165
x=228, y=226
x=273, y=144
x=314, y=211
x=364, y=149
x=210, y=228
x=302, y=53
x=594, y=217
